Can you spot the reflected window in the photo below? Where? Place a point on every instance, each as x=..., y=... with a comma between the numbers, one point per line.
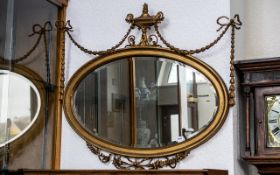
x=173, y=72
x=172, y=78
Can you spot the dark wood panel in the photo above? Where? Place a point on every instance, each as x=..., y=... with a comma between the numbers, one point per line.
x=265, y=165
x=264, y=64
x=119, y=172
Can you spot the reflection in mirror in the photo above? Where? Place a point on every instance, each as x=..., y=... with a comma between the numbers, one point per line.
x=102, y=103
x=170, y=98
x=173, y=102
x=16, y=92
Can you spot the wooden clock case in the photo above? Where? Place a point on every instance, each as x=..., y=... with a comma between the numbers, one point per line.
x=256, y=79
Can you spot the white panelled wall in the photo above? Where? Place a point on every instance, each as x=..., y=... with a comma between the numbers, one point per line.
x=259, y=37
x=99, y=24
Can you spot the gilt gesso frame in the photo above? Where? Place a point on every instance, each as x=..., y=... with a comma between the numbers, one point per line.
x=187, y=145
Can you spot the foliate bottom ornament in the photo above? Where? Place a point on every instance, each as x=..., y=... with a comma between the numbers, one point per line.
x=129, y=163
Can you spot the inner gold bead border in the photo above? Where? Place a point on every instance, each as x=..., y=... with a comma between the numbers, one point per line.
x=200, y=138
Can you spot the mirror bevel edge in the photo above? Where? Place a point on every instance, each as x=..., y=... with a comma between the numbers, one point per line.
x=195, y=141
x=36, y=124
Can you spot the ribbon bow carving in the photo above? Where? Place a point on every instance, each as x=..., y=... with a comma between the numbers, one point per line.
x=234, y=22
x=38, y=29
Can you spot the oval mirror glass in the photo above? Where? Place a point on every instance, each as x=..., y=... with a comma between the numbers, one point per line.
x=145, y=102
x=19, y=105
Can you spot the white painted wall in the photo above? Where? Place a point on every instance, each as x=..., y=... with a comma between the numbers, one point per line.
x=98, y=24
x=260, y=31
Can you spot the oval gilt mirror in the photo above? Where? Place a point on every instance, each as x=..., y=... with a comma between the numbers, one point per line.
x=20, y=104
x=145, y=102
